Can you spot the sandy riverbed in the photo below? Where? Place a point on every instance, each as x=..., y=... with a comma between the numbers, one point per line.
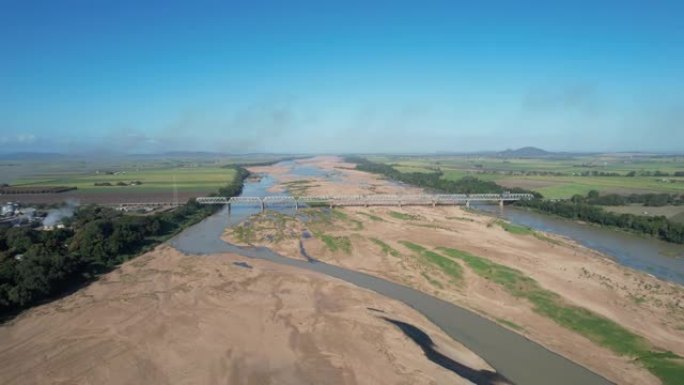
x=346, y=181
x=167, y=318
x=645, y=305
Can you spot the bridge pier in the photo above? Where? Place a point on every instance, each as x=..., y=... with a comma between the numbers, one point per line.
x=434, y=204
x=228, y=208
x=263, y=205
x=501, y=203
x=296, y=205
x=468, y=204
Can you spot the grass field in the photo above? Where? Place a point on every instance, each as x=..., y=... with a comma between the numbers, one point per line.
x=674, y=213
x=153, y=180
x=161, y=177
x=564, y=175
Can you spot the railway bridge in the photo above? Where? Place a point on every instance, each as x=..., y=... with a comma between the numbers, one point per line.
x=364, y=200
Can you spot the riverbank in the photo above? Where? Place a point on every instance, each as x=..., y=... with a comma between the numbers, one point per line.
x=184, y=319
x=646, y=254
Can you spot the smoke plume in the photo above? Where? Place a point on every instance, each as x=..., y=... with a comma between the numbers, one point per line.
x=55, y=216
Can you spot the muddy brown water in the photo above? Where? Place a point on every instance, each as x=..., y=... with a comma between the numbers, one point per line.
x=515, y=357
x=659, y=258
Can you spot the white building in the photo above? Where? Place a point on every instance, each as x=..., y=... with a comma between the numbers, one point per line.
x=9, y=209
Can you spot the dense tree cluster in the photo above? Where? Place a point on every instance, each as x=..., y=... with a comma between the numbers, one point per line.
x=36, y=265
x=652, y=200
x=433, y=180
x=235, y=189
x=580, y=209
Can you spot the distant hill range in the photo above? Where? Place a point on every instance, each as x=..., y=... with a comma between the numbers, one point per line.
x=32, y=156
x=526, y=152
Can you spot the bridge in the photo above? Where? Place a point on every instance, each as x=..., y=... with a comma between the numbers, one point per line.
x=364, y=200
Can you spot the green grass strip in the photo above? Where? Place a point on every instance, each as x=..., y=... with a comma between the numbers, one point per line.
x=667, y=366
x=510, y=324
x=450, y=267
x=402, y=216
x=432, y=281
x=334, y=243
x=372, y=217
x=515, y=229
x=337, y=214
x=524, y=230
x=386, y=249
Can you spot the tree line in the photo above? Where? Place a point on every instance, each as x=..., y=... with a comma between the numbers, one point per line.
x=434, y=180
x=582, y=208
x=649, y=199
x=38, y=265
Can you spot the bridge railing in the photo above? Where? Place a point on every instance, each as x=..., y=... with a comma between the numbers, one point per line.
x=376, y=199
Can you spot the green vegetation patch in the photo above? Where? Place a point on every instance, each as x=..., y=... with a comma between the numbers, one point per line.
x=665, y=365
x=300, y=186
x=545, y=238
x=372, y=217
x=515, y=229
x=270, y=225
x=510, y=324
x=450, y=267
x=336, y=243
x=386, y=249
x=432, y=281
x=337, y=214
x=403, y=216
x=244, y=234
x=340, y=215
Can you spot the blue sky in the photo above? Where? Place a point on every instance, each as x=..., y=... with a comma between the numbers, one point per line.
x=352, y=76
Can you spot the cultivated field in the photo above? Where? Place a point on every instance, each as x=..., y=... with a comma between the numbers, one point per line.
x=557, y=177
x=126, y=179
x=183, y=178
x=674, y=213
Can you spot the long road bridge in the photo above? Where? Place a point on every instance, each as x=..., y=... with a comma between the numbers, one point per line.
x=365, y=200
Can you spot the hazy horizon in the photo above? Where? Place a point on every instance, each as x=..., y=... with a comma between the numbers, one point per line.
x=306, y=77
x=93, y=154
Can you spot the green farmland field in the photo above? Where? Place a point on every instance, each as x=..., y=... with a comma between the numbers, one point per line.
x=563, y=177
x=153, y=179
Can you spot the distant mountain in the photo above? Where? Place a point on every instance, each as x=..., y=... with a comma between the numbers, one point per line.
x=31, y=156
x=525, y=152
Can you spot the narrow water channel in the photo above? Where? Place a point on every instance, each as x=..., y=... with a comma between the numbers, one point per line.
x=661, y=259
x=513, y=356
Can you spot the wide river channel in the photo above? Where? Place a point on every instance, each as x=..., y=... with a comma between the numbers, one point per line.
x=522, y=361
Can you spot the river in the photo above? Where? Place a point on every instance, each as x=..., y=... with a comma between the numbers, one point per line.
x=661, y=259
x=510, y=354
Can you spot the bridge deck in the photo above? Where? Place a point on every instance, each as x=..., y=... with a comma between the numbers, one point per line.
x=365, y=200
